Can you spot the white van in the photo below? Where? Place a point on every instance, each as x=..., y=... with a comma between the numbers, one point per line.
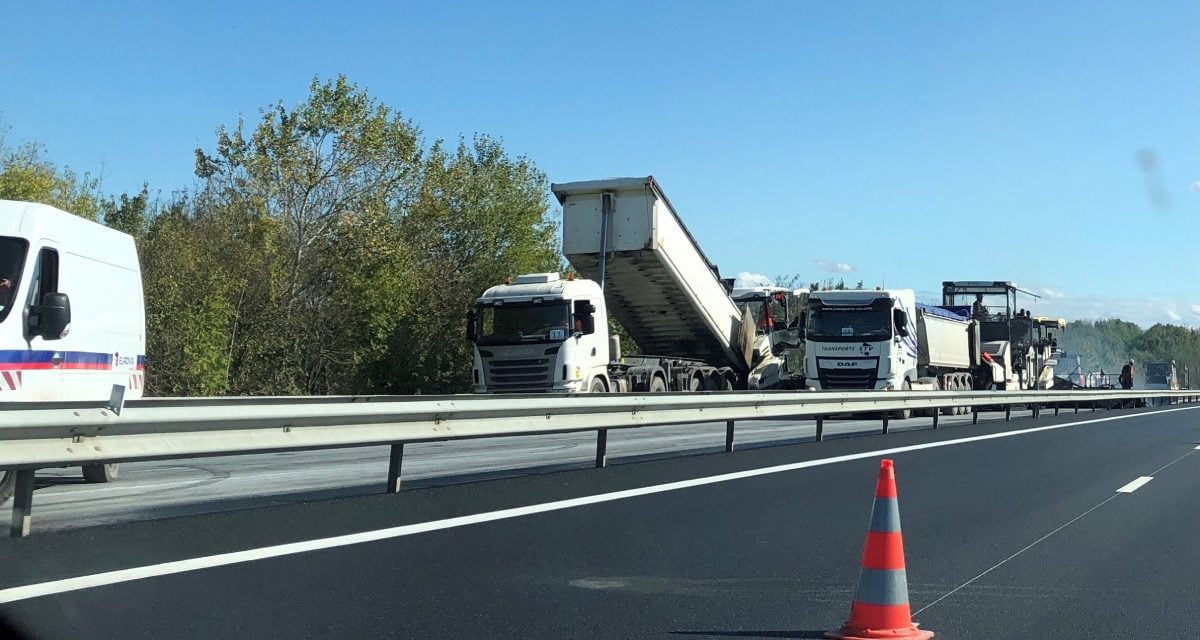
x=72, y=317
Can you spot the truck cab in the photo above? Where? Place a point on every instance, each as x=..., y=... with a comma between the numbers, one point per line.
x=861, y=340
x=539, y=334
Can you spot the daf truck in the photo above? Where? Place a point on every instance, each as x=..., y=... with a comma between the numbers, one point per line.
x=883, y=340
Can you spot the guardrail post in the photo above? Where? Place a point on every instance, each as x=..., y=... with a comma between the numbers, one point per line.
x=820, y=428
x=22, y=510
x=728, y=436
x=601, y=448
x=395, y=461
x=1076, y=406
x=936, y=411
x=1007, y=412
x=974, y=415
x=1056, y=410
x=886, y=415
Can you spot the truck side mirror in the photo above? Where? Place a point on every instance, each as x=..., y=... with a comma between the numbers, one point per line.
x=51, y=318
x=901, y=319
x=585, y=314
x=471, y=335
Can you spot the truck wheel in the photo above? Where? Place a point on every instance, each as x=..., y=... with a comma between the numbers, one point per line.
x=728, y=384
x=657, y=385
x=101, y=473
x=597, y=386
x=695, y=384
x=8, y=482
x=903, y=414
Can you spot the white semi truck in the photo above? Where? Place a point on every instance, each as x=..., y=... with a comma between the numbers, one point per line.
x=884, y=340
x=72, y=319
x=637, y=263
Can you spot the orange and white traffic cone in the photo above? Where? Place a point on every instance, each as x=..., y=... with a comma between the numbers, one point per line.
x=880, y=608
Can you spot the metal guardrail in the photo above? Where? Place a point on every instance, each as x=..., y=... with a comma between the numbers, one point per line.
x=66, y=435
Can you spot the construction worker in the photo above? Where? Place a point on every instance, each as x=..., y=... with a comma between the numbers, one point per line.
x=766, y=321
x=979, y=310
x=1126, y=378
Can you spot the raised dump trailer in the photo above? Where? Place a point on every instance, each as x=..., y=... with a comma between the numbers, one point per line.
x=659, y=284
x=546, y=333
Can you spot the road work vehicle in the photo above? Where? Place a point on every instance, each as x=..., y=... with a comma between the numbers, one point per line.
x=1022, y=348
x=638, y=264
x=72, y=317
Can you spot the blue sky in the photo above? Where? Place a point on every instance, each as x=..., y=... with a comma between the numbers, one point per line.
x=905, y=143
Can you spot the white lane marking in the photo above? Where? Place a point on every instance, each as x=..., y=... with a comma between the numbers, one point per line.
x=65, y=585
x=1198, y=447
x=1135, y=485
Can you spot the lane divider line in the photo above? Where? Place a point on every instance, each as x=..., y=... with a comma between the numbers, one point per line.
x=1135, y=485
x=66, y=585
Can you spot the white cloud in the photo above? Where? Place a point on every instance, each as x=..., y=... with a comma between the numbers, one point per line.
x=834, y=267
x=1196, y=185
x=745, y=279
x=1196, y=309
x=1053, y=293
x=1173, y=316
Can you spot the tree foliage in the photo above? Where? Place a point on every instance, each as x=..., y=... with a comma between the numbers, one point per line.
x=329, y=250
x=1108, y=344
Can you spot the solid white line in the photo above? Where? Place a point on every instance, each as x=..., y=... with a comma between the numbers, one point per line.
x=14, y=594
x=1198, y=447
x=1135, y=485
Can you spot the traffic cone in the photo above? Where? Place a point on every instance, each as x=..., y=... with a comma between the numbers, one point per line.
x=880, y=607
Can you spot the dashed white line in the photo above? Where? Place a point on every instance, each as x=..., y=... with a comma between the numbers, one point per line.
x=1135, y=485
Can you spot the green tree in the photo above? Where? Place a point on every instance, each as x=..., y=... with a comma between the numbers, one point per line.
x=26, y=175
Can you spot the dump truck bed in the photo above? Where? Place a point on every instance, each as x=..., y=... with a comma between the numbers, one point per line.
x=657, y=281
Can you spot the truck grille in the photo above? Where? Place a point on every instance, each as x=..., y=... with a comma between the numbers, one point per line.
x=530, y=374
x=846, y=378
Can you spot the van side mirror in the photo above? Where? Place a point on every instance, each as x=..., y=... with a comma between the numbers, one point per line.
x=901, y=320
x=471, y=335
x=52, y=317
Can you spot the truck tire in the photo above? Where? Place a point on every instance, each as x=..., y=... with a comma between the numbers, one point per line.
x=657, y=385
x=695, y=384
x=728, y=384
x=8, y=482
x=101, y=472
x=903, y=414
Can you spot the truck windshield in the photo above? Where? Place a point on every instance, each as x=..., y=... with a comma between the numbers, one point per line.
x=523, y=322
x=853, y=323
x=12, y=257
x=1157, y=373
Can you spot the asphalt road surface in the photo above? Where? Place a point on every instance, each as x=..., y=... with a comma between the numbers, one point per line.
x=1070, y=527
